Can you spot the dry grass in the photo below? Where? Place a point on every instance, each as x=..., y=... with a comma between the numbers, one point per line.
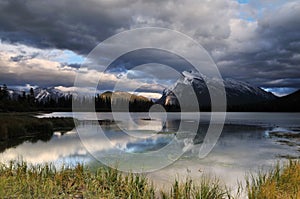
x=205, y=188
x=281, y=182
x=45, y=181
x=21, y=180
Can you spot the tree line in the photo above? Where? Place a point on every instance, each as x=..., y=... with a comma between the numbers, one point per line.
x=25, y=101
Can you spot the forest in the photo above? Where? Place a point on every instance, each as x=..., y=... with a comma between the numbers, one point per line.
x=26, y=102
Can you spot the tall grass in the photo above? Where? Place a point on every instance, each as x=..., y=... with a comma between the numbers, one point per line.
x=45, y=181
x=280, y=182
x=19, y=179
x=205, y=188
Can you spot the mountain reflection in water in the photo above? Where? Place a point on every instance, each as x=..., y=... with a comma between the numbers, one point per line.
x=245, y=143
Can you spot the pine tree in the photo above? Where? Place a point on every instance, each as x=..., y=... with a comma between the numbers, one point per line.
x=4, y=92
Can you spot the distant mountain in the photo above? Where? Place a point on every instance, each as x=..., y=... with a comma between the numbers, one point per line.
x=119, y=95
x=293, y=98
x=14, y=94
x=41, y=94
x=44, y=94
x=237, y=92
x=241, y=96
x=122, y=101
x=288, y=103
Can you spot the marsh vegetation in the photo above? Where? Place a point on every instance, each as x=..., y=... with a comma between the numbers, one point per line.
x=16, y=128
x=45, y=181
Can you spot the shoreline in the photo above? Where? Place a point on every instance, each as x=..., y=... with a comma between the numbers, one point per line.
x=81, y=182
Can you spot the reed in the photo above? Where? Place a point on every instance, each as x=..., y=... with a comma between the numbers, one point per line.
x=281, y=182
x=19, y=179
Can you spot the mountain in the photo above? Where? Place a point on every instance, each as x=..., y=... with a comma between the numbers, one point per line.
x=237, y=92
x=119, y=95
x=293, y=98
x=44, y=94
x=14, y=94
x=122, y=101
x=241, y=96
x=288, y=103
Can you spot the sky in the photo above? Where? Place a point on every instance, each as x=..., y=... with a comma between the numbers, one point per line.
x=43, y=43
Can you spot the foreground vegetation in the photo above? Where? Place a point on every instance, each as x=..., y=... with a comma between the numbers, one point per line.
x=45, y=181
x=281, y=183
x=20, y=179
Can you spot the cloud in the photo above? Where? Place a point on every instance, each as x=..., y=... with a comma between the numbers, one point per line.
x=34, y=71
x=45, y=73
x=264, y=52
x=79, y=26
x=253, y=41
x=62, y=24
x=23, y=52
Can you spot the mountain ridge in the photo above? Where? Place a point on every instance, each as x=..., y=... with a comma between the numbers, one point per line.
x=241, y=96
x=237, y=92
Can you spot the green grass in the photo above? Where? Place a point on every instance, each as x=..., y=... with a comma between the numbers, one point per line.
x=280, y=182
x=205, y=188
x=15, y=128
x=16, y=125
x=45, y=181
x=19, y=179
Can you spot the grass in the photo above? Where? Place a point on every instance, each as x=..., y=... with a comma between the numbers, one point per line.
x=205, y=188
x=15, y=128
x=17, y=125
x=280, y=182
x=19, y=179
x=45, y=181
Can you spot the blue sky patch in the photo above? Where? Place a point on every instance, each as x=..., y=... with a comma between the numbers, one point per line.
x=243, y=1
x=70, y=57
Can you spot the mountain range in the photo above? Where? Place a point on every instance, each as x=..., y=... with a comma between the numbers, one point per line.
x=288, y=103
x=192, y=83
x=241, y=96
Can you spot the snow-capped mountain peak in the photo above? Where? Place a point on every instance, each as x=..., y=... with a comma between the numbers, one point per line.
x=237, y=92
x=44, y=94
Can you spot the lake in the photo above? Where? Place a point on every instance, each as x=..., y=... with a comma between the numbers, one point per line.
x=168, y=144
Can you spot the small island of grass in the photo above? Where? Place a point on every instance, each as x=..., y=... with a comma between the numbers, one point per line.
x=16, y=128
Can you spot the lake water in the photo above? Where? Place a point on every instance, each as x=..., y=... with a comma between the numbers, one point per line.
x=244, y=146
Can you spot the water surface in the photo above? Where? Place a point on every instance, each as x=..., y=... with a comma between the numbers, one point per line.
x=245, y=144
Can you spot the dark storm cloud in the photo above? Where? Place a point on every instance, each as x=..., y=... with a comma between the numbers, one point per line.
x=264, y=53
x=145, y=56
x=274, y=57
x=42, y=81
x=65, y=24
x=79, y=25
